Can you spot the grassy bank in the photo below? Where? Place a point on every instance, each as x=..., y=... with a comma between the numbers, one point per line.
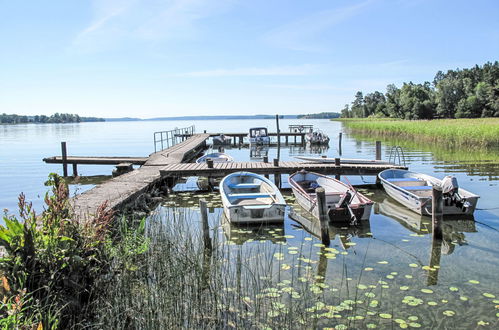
x=482, y=132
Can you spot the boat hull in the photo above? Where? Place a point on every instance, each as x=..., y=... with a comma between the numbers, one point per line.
x=251, y=198
x=420, y=201
x=334, y=191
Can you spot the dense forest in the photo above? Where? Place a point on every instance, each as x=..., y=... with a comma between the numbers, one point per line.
x=56, y=118
x=322, y=115
x=467, y=93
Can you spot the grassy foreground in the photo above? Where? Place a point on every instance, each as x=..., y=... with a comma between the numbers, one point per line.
x=481, y=132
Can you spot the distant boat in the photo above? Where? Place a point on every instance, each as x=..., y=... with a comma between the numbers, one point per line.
x=342, y=160
x=221, y=140
x=217, y=157
x=259, y=135
x=414, y=191
x=343, y=202
x=317, y=137
x=251, y=198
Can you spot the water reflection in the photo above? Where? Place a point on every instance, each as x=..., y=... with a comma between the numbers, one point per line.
x=240, y=234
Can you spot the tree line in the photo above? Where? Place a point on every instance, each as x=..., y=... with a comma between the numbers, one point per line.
x=57, y=118
x=466, y=93
x=322, y=115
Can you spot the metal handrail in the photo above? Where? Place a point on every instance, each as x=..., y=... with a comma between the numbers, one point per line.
x=396, y=151
x=166, y=139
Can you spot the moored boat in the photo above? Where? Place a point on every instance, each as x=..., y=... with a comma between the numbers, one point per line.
x=343, y=202
x=317, y=137
x=251, y=198
x=221, y=140
x=414, y=191
x=217, y=157
x=259, y=135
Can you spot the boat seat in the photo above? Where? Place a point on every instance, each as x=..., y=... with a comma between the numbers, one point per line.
x=403, y=179
x=243, y=185
x=249, y=195
x=418, y=187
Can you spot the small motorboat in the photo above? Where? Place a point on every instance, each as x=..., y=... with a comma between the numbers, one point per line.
x=343, y=202
x=221, y=140
x=317, y=137
x=217, y=157
x=251, y=198
x=414, y=191
x=259, y=135
x=327, y=160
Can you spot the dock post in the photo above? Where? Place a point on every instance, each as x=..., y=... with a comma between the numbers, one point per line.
x=337, y=162
x=240, y=139
x=265, y=159
x=278, y=137
x=206, y=227
x=378, y=150
x=75, y=169
x=209, y=162
x=339, y=142
x=277, y=176
x=437, y=206
x=64, y=159
x=323, y=216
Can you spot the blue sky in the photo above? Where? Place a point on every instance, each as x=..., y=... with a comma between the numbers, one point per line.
x=155, y=58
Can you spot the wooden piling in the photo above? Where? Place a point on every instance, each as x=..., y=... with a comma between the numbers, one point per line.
x=265, y=159
x=209, y=162
x=323, y=216
x=337, y=162
x=206, y=227
x=75, y=169
x=378, y=150
x=339, y=142
x=64, y=159
x=437, y=207
x=276, y=162
x=277, y=176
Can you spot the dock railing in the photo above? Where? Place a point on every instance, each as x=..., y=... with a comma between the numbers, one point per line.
x=166, y=139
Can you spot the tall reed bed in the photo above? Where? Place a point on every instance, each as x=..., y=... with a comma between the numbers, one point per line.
x=480, y=132
x=179, y=284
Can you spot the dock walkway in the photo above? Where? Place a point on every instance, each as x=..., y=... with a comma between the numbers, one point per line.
x=283, y=167
x=121, y=190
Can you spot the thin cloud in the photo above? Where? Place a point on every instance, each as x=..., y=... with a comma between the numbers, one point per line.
x=301, y=70
x=297, y=35
x=115, y=21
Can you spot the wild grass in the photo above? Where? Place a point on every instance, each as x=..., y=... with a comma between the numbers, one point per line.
x=472, y=133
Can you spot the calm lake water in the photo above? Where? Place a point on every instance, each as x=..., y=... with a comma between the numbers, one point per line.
x=390, y=259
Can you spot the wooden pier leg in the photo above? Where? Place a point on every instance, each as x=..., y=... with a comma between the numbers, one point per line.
x=337, y=163
x=240, y=139
x=276, y=162
x=64, y=159
x=435, y=254
x=437, y=207
x=287, y=137
x=323, y=216
x=339, y=143
x=378, y=150
x=295, y=139
x=75, y=169
x=277, y=176
x=206, y=227
x=209, y=162
x=265, y=159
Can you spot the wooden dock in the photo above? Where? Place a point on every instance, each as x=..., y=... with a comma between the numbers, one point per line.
x=95, y=160
x=127, y=189
x=280, y=167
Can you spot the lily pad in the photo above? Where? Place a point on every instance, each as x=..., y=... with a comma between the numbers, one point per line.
x=413, y=318
x=453, y=288
x=385, y=316
x=368, y=269
x=449, y=313
x=404, y=288
x=432, y=303
x=426, y=290
x=413, y=265
x=474, y=281
x=488, y=295
x=383, y=262
x=414, y=325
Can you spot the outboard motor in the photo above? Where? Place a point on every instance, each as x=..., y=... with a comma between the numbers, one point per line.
x=450, y=191
x=345, y=203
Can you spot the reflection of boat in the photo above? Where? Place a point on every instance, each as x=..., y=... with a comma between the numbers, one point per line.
x=317, y=137
x=344, y=233
x=453, y=226
x=259, y=151
x=414, y=190
x=240, y=233
x=248, y=198
x=217, y=157
x=221, y=140
x=259, y=135
x=325, y=159
x=342, y=201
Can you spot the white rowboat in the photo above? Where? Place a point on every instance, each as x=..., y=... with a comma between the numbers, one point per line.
x=251, y=198
x=217, y=157
x=414, y=191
